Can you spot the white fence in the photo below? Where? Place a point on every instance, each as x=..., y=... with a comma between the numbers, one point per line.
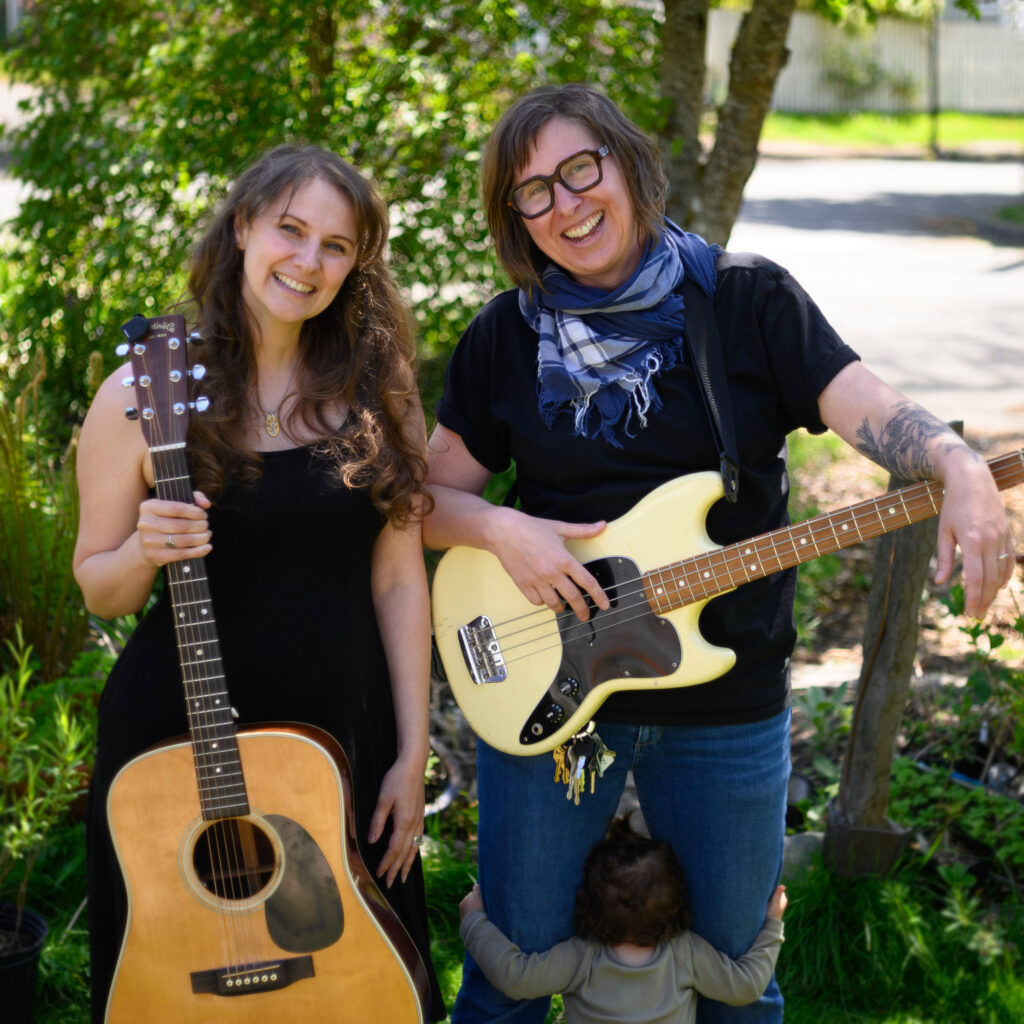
x=977, y=67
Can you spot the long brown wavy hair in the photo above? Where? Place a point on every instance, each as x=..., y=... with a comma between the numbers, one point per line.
x=633, y=890
x=359, y=351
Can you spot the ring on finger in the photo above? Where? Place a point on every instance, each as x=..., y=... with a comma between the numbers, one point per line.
x=169, y=543
x=417, y=840
x=1005, y=554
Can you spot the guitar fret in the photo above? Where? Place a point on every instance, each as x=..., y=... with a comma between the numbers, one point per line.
x=161, y=375
x=706, y=575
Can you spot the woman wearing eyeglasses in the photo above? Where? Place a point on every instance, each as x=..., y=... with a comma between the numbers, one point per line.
x=583, y=376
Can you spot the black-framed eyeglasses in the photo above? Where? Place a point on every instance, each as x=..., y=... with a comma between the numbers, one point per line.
x=577, y=173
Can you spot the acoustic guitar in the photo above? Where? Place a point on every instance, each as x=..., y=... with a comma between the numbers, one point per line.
x=528, y=679
x=248, y=900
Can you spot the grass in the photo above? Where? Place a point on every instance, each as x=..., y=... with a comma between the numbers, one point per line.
x=866, y=130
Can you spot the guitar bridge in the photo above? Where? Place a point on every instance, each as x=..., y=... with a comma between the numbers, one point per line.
x=482, y=652
x=242, y=981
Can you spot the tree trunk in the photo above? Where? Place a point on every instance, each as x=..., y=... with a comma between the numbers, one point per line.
x=683, y=45
x=758, y=56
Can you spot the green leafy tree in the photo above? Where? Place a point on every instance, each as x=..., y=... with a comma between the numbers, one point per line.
x=144, y=109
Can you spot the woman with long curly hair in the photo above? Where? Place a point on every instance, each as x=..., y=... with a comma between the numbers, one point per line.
x=308, y=470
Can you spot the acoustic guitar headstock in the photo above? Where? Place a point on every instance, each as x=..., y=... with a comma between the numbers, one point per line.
x=156, y=348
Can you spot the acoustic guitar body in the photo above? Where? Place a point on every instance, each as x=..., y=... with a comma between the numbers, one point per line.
x=268, y=917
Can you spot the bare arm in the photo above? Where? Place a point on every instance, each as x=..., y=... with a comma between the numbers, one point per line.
x=911, y=443
x=531, y=550
x=398, y=582
x=122, y=533
x=399, y=585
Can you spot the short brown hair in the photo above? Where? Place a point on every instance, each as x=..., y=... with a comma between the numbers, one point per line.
x=508, y=150
x=634, y=890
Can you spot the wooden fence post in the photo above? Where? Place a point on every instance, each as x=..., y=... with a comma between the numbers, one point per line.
x=859, y=837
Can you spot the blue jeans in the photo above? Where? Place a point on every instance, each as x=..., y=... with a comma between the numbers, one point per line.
x=717, y=794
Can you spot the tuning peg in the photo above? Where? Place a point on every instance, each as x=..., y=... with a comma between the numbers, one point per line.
x=174, y=343
x=149, y=413
x=175, y=376
x=135, y=328
x=145, y=380
x=201, y=404
x=198, y=371
x=131, y=413
x=128, y=382
x=122, y=349
x=194, y=337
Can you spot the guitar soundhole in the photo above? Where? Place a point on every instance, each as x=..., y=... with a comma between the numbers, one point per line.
x=233, y=859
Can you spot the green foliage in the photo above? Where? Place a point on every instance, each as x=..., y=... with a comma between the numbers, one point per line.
x=945, y=811
x=854, y=73
x=995, y=684
x=828, y=713
x=38, y=524
x=45, y=753
x=915, y=946
x=449, y=871
x=811, y=457
x=146, y=110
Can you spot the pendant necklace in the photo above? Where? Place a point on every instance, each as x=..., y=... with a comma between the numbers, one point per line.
x=271, y=423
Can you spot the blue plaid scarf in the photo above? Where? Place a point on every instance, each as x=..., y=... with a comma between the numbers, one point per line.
x=600, y=351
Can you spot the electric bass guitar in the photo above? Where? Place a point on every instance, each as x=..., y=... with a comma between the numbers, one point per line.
x=248, y=900
x=528, y=679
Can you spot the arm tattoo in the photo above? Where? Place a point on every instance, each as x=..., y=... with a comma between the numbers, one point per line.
x=902, y=444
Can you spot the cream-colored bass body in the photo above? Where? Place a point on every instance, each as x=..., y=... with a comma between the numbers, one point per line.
x=528, y=679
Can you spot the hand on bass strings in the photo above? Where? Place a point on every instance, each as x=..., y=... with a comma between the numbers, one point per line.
x=533, y=553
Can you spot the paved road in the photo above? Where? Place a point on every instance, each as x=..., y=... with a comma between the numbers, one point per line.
x=887, y=249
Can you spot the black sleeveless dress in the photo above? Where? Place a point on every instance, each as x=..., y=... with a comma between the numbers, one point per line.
x=290, y=583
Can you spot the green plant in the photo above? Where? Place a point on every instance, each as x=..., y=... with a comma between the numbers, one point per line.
x=38, y=525
x=828, y=713
x=853, y=72
x=996, y=681
x=918, y=945
x=43, y=760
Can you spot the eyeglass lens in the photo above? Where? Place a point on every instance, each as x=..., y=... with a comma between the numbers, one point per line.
x=577, y=173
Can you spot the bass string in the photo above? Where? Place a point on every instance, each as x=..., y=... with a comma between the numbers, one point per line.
x=730, y=563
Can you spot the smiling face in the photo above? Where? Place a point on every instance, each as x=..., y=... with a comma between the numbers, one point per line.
x=298, y=252
x=593, y=234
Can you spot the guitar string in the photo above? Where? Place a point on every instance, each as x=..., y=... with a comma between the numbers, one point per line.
x=192, y=632
x=223, y=854
x=735, y=562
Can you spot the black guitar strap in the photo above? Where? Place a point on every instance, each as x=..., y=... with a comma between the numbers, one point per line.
x=701, y=334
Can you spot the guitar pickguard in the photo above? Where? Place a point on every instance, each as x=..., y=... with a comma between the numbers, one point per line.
x=304, y=913
x=626, y=641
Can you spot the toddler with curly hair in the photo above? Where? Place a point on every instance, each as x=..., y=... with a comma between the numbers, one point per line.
x=633, y=957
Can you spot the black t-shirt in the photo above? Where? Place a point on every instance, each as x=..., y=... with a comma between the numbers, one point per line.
x=779, y=353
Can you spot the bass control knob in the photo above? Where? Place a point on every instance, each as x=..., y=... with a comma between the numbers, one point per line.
x=569, y=686
x=554, y=714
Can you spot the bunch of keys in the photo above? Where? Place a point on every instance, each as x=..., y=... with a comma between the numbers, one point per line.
x=584, y=757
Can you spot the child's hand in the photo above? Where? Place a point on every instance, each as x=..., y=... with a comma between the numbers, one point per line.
x=777, y=904
x=470, y=902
